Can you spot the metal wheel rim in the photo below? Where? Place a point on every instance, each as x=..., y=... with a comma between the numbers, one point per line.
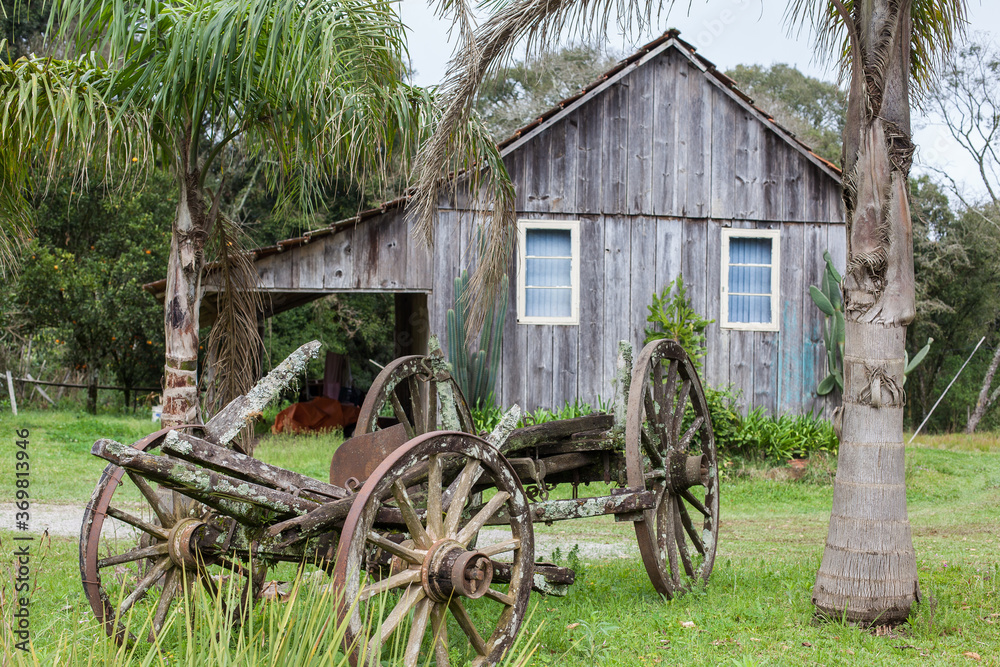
x=390, y=377
x=666, y=531
x=360, y=521
x=104, y=609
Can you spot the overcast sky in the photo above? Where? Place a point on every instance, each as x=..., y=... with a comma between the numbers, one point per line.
x=728, y=33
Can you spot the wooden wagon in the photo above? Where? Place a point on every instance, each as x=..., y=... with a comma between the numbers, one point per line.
x=425, y=526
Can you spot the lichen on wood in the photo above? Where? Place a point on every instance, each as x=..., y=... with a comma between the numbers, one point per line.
x=241, y=412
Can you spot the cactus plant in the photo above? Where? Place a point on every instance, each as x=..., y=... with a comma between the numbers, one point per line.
x=828, y=300
x=475, y=370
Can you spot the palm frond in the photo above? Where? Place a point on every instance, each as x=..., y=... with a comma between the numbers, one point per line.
x=58, y=114
x=234, y=342
x=937, y=26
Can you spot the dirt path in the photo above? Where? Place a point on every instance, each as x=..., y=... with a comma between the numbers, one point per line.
x=65, y=520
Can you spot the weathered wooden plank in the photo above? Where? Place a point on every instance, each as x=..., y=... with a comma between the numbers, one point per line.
x=669, y=250
x=178, y=474
x=791, y=338
x=615, y=149
x=741, y=365
x=366, y=252
x=265, y=271
x=537, y=164
x=639, y=183
x=617, y=306
x=716, y=363
x=221, y=459
x=515, y=168
x=512, y=361
x=539, y=370
x=699, y=146
x=664, y=133
x=682, y=135
x=565, y=364
x=562, y=170
x=466, y=242
x=817, y=202
x=392, y=261
x=723, y=155
x=307, y=268
x=814, y=353
x=281, y=270
x=338, y=260
x=445, y=266
x=590, y=373
x=590, y=136
x=773, y=176
x=794, y=204
x=765, y=372
x=419, y=258
x=695, y=267
x=643, y=277
x=741, y=166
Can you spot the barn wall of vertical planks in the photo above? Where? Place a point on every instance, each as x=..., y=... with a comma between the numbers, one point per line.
x=656, y=160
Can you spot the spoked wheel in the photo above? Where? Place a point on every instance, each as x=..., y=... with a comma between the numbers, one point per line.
x=139, y=551
x=436, y=580
x=422, y=394
x=670, y=448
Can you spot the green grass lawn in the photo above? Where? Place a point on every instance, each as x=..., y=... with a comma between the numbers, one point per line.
x=756, y=609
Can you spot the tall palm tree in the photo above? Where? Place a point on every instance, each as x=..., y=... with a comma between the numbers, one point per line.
x=868, y=572
x=306, y=89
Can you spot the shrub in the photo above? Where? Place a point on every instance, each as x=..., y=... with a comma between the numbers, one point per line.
x=672, y=316
x=784, y=437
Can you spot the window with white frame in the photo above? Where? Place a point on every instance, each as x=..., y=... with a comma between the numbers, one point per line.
x=548, y=272
x=750, y=279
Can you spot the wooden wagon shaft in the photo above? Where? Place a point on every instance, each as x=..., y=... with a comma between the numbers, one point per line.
x=187, y=477
x=214, y=457
x=549, y=433
x=547, y=579
x=242, y=410
x=319, y=520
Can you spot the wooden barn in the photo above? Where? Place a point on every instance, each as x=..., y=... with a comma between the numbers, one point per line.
x=661, y=167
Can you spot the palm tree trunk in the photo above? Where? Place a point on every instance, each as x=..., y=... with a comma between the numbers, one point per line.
x=181, y=305
x=869, y=572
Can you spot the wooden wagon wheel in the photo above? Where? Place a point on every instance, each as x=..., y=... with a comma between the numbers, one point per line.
x=435, y=575
x=423, y=396
x=670, y=448
x=146, y=555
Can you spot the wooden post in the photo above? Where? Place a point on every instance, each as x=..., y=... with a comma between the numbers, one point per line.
x=10, y=389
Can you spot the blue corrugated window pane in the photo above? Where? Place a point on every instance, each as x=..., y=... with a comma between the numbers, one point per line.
x=749, y=309
x=548, y=243
x=750, y=280
x=548, y=302
x=548, y=273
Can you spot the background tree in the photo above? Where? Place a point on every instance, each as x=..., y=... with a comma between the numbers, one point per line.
x=967, y=99
x=516, y=95
x=956, y=256
x=813, y=110
x=868, y=573
x=307, y=88
x=80, y=284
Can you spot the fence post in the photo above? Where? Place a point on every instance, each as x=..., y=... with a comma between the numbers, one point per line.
x=10, y=388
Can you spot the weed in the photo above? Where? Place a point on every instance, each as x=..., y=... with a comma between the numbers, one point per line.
x=592, y=636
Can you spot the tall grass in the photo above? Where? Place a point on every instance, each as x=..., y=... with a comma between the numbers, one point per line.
x=205, y=629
